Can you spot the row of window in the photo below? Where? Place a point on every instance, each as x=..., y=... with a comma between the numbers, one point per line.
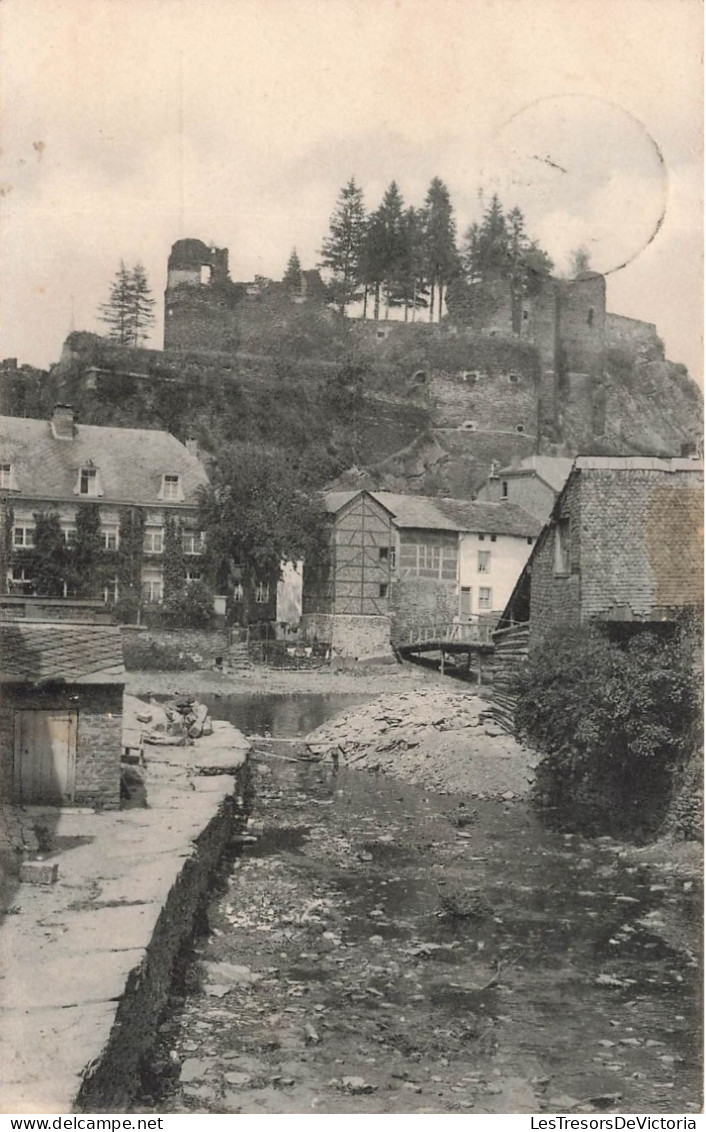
x=88, y=483
x=19, y=581
x=438, y=560
x=191, y=541
x=485, y=600
x=262, y=593
x=430, y=560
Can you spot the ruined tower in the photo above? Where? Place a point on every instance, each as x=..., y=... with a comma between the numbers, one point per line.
x=199, y=299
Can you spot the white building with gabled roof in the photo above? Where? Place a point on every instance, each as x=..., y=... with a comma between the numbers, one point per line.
x=533, y=484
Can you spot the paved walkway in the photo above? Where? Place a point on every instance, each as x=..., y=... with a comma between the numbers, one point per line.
x=68, y=949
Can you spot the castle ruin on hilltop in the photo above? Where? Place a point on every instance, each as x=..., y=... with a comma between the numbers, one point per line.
x=553, y=360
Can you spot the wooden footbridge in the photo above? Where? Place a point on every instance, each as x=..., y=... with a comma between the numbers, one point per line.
x=452, y=646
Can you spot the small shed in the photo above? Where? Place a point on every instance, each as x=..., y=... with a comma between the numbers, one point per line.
x=61, y=706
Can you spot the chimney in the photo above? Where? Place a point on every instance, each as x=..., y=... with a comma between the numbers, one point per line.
x=192, y=446
x=63, y=422
x=493, y=489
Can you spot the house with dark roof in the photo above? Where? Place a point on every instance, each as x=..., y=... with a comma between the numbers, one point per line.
x=533, y=484
x=623, y=545
x=61, y=704
x=138, y=479
x=409, y=560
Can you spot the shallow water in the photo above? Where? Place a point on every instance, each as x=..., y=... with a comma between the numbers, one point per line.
x=450, y=952
x=281, y=716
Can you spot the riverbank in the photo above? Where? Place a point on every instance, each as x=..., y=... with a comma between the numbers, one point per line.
x=382, y=949
x=324, y=681
x=87, y=960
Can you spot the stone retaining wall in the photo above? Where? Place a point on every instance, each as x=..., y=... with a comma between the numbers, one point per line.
x=350, y=636
x=197, y=647
x=110, y=1082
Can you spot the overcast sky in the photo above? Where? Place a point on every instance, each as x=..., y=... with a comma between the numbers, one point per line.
x=128, y=124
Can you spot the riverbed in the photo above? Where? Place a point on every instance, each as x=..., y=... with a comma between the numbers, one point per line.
x=380, y=948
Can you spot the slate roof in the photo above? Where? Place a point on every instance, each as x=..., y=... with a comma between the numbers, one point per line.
x=335, y=500
x=75, y=653
x=554, y=470
x=418, y=511
x=491, y=518
x=431, y=513
x=645, y=551
x=639, y=463
x=130, y=462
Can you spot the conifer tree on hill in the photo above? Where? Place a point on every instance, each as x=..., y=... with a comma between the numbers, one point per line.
x=372, y=261
x=440, y=255
x=383, y=254
x=142, y=305
x=292, y=277
x=129, y=310
x=341, y=249
x=412, y=288
x=497, y=250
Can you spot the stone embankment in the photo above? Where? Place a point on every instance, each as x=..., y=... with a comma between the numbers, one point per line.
x=88, y=960
x=432, y=737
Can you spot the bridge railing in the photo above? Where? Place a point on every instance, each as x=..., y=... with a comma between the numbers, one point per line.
x=441, y=632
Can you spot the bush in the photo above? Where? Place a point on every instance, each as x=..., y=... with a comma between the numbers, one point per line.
x=613, y=721
x=126, y=609
x=149, y=656
x=189, y=608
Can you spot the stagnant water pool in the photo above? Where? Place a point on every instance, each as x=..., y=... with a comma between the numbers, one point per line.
x=383, y=949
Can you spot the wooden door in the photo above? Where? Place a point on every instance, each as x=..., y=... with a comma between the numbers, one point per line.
x=45, y=756
x=465, y=603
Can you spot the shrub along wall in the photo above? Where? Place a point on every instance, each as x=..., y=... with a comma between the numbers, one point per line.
x=615, y=722
x=172, y=649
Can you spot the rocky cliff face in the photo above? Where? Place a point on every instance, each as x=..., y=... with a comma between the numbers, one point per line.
x=404, y=408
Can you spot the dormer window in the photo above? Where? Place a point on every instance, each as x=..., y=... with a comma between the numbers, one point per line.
x=7, y=478
x=88, y=482
x=171, y=488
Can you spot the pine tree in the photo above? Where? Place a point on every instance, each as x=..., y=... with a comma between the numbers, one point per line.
x=392, y=212
x=117, y=311
x=129, y=311
x=292, y=278
x=440, y=254
x=341, y=249
x=372, y=260
x=142, y=305
x=497, y=251
x=412, y=287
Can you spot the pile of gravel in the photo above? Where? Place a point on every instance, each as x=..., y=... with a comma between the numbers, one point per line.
x=435, y=738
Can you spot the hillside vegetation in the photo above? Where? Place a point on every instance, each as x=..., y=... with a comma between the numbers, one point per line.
x=337, y=398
